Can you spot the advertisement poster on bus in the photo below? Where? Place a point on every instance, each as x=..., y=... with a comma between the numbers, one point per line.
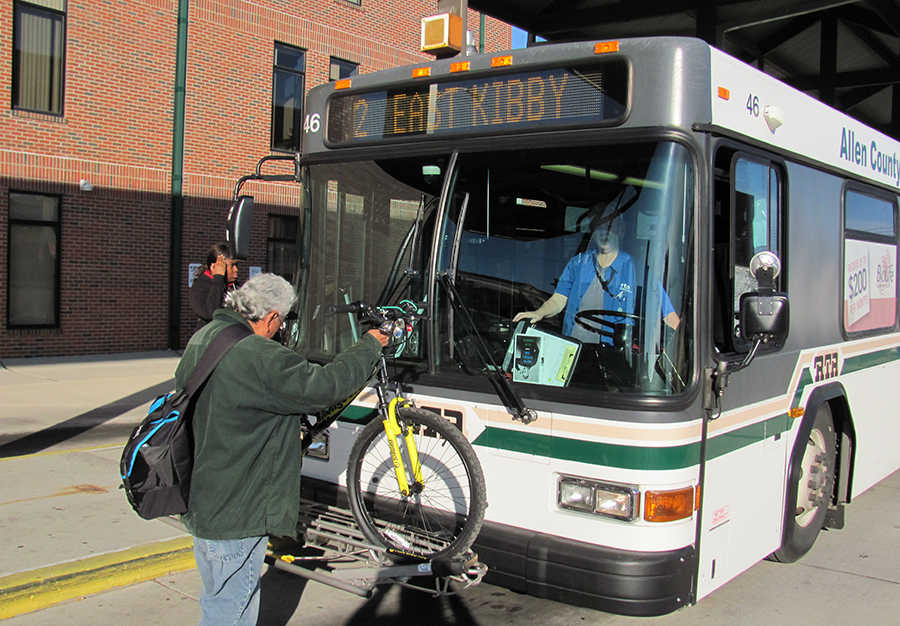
x=870, y=291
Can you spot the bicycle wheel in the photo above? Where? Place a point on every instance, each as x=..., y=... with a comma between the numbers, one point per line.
x=442, y=514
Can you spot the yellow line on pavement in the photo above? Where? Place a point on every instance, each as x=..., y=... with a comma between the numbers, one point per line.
x=37, y=589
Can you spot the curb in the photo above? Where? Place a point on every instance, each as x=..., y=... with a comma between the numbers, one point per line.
x=38, y=589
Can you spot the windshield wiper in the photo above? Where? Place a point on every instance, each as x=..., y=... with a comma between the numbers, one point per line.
x=510, y=398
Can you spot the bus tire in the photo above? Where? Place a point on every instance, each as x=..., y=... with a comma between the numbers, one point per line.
x=443, y=515
x=813, y=485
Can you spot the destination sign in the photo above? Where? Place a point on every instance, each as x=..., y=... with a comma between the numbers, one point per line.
x=558, y=97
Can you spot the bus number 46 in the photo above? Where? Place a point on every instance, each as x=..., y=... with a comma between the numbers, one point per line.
x=753, y=105
x=311, y=123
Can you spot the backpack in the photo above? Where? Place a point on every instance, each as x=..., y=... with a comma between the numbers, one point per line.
x=159, y=456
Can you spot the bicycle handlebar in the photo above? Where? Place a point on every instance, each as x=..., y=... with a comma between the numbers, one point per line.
x=394, y=321
x=353, y=307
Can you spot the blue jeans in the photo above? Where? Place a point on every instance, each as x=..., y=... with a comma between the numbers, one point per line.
x=230, y=571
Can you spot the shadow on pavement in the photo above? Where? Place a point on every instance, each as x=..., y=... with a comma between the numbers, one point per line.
x=280, y=594
x=413, y=609
x=49, y=437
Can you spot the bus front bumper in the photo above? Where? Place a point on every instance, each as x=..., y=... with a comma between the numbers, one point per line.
x=577, y=573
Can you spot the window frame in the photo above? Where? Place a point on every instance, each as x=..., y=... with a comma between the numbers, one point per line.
x=57, y=229
x=299, y=95
x=871, y=238
x=291, y=241
x=737, y=347
x=342, y=65
x=58, y=61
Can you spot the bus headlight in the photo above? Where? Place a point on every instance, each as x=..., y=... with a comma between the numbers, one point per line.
x=600, y=498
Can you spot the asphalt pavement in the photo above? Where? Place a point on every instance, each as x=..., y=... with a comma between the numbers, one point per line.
x=73, y=552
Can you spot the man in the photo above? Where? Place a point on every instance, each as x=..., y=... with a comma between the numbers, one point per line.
x=246, y=479
x=603, y=278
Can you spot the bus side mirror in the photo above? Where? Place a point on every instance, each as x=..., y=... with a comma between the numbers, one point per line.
x=764, y=314
x=238, y=233
x=765, y=317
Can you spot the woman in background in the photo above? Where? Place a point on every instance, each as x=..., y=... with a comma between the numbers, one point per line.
x=212, y=282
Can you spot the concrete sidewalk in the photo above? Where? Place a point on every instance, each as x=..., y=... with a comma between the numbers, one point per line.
x=68, y=530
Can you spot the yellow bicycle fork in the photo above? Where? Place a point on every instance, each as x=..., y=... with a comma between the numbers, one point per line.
x=393, y=430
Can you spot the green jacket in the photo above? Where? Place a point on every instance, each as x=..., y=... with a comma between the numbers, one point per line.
x=247, y=454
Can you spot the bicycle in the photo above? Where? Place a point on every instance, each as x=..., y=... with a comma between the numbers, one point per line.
x=414, y=482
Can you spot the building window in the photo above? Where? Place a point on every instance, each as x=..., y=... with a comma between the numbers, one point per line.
x=281, y=249
x=342, y=69
x=287, y=97
x=870, y=261
x=39, y=35
x=33, y=280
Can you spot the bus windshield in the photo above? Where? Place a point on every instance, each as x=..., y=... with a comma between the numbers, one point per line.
x=573, y=263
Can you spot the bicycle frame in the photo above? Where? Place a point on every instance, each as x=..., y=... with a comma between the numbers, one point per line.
x=392, y=428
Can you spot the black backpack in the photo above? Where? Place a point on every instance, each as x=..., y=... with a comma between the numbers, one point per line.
x=158, y=458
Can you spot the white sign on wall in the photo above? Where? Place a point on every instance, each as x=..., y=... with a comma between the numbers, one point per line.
x=192, y=271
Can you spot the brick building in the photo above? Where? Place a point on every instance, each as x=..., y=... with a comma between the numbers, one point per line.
x=89, y=130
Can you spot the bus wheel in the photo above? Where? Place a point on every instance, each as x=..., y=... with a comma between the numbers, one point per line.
x=813, y=486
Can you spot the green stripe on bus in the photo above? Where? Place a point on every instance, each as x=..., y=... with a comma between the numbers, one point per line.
x=631, y=457
x=729, y=442
x=873, y=359
x=355, y=413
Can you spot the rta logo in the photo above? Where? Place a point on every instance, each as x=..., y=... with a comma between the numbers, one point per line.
x=825, y=366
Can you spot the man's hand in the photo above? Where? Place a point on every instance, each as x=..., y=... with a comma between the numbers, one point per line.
x=532, y=316
x=555, y=304
x=219, y=267
x=381, y=337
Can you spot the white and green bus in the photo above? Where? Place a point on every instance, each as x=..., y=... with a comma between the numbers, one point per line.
x=653, y=415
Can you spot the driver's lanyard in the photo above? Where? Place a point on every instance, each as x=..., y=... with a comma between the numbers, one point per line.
x=620, y=297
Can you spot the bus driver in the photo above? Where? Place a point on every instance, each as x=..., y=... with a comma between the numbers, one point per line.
x=602, y=277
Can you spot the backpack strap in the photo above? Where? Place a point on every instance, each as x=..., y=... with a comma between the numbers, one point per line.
x=217, y=349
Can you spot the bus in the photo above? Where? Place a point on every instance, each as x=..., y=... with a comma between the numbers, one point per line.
x=654, y=415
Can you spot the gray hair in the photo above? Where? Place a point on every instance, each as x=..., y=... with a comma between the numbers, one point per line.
x=261, y=295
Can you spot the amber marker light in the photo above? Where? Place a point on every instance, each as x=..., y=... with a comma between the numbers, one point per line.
x=501, y=61
x=462, y=66
x=797, y=412
x=606, y=46
x=421, y=72
x=668, y=506
x=342, y=84
x=724, y=93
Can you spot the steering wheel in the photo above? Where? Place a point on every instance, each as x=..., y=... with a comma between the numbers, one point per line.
x=594, y=321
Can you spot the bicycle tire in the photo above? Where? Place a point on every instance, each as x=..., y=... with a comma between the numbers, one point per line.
x=443, y=515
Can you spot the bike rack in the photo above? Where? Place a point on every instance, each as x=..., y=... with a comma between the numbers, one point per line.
x=357, y=566
x=352, y=564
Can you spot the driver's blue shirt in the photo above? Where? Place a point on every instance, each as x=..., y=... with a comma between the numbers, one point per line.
x=618, y=295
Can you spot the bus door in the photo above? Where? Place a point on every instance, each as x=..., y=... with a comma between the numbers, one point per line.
x=743, y=488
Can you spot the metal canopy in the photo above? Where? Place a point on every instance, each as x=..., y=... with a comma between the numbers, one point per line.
x=846, y=53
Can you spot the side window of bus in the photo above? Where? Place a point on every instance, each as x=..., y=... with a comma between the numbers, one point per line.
x=870, y=261
x=747, y=220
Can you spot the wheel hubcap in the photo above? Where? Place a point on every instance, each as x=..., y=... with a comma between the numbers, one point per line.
x=812, y=486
